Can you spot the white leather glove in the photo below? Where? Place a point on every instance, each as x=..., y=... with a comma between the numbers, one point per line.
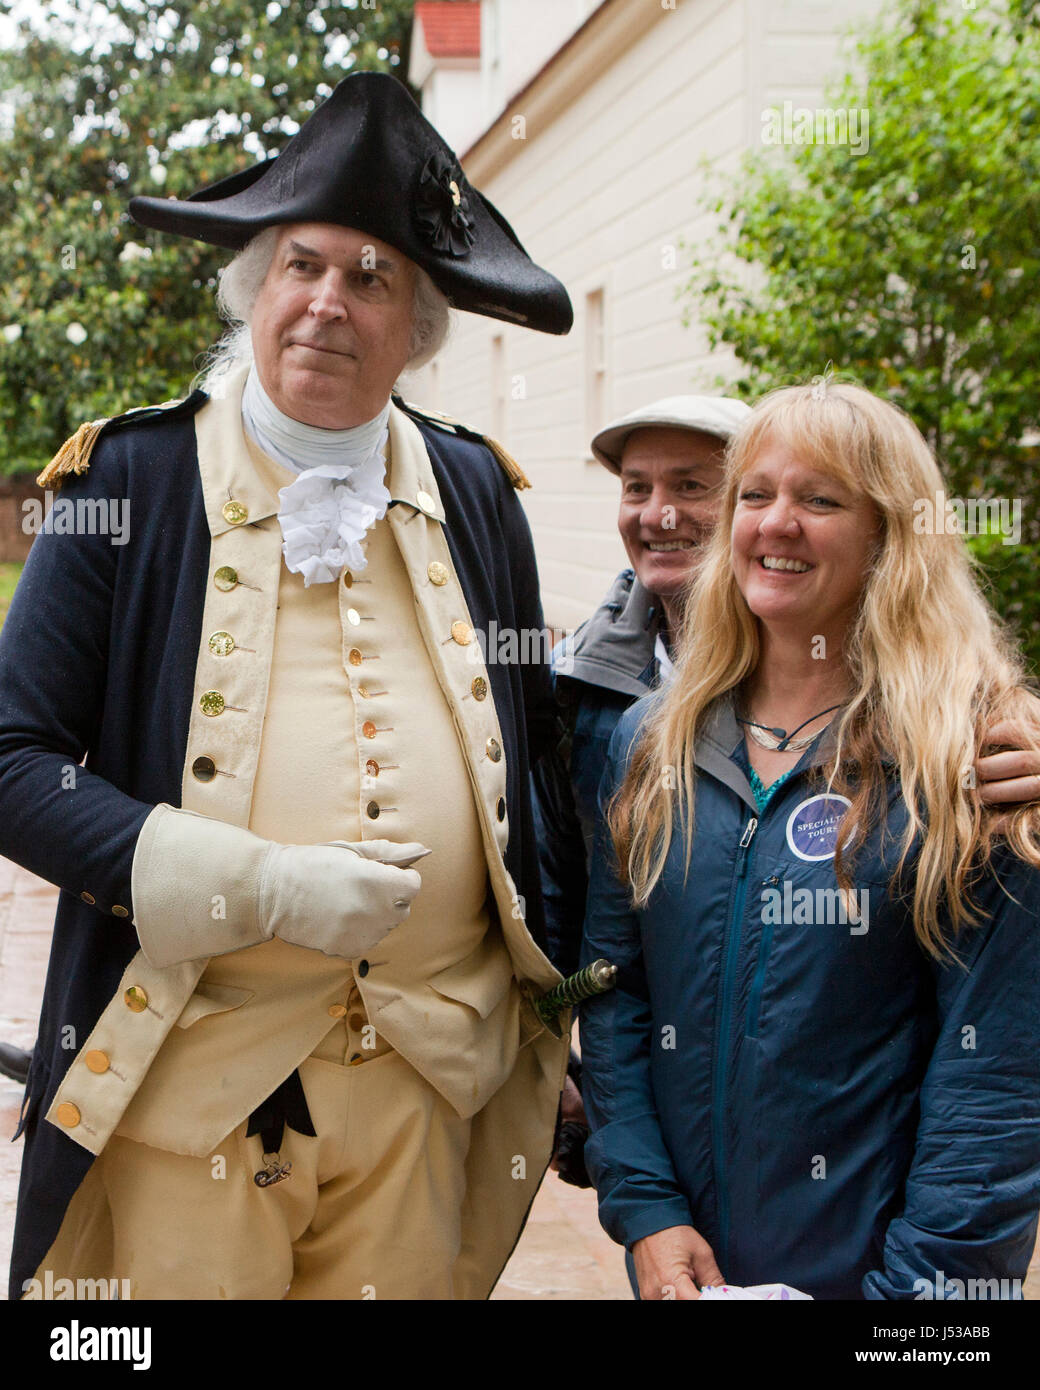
x=203, y=888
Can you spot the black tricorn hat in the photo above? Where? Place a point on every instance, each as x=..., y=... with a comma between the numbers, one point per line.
x=369, y=159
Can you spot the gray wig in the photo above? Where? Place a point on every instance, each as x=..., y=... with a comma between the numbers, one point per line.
x=240, y=283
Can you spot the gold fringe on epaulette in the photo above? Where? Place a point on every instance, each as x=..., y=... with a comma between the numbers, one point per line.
x=73, y=456
x=514, y=472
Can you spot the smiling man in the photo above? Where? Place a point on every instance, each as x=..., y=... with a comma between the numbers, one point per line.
x=668, y=457
x=275, y=1059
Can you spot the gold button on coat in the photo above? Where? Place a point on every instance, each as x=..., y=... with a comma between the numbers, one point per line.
x=211, y=703
x=479, y=688
x=119, y=911
x=68, y=1114
x=337, y=1010
x=354, y=657
x=494, y=750
x=225, y=578
x=136, y=999
x=438, y=573
x=462, y=633
x=234, y=513
x=88, y=897
x=348, y=578
x=500, y=808
x=204, y=769
x=357, y=1022
x=221, y=644
x=97, y=1062
x=425, y=502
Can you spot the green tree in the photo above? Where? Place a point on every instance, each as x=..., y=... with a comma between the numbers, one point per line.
x=911, y=267
x=96, y=314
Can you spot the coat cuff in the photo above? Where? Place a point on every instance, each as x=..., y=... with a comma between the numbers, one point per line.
x=196, y=887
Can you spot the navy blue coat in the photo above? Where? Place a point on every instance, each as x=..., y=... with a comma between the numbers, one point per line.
x=97, y=660
x=827, y=1106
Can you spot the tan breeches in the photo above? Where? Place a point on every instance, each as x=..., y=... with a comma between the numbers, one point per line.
x=371, y=1210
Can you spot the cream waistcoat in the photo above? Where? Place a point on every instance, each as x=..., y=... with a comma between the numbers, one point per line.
x=438, y=987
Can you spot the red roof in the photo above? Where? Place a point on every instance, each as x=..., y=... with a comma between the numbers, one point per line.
x=451, y=27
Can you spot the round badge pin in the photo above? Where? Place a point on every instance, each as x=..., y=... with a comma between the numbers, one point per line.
x=812, y=827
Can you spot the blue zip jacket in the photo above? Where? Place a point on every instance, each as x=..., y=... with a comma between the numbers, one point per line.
x=824, y=1103
x=598, y=672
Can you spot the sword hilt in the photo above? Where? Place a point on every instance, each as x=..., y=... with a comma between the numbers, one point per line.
x=594, y=979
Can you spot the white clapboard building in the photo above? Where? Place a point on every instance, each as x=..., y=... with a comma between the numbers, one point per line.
x=587, y=123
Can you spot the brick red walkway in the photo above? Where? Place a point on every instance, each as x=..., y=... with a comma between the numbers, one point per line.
x=563, y=1253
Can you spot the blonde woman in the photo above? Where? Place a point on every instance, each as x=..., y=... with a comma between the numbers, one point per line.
x=820, y=1065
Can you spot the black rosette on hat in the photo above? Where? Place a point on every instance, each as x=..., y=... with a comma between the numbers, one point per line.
x=369, y=159
x=442, y=207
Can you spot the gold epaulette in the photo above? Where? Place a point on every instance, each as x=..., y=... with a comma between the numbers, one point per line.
x=508, y=464
x=74, y=454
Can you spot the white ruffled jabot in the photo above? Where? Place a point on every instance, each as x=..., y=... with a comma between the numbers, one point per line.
x=339, y=493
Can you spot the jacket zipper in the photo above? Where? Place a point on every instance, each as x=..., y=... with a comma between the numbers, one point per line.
x=722, y=1036
x=755, y=998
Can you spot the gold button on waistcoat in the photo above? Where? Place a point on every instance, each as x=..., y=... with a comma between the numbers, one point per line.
x=97, y=1062
x=136, y=999
x=462, y=633
x=354, y=657
x=225, y=578
x=362, y=690
x=337, y=1010
x=211, y=703
x=372, y=810
x=234, y=513
x=221, y=644
x=68, y=1114
x=119, y=911
x=353, y=617
x=369, y=729
x=357, y=1022
x=425, y=502
x=372, y=768
x=438, y=573
x=356, y=1060
x=479, y=688
x=204, y=769
x=88, y=897
x=494, y=750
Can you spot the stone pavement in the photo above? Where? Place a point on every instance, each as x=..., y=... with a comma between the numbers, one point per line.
x=563, y=1253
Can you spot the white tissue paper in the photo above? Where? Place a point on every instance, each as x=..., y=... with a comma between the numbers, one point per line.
x=755, y=1293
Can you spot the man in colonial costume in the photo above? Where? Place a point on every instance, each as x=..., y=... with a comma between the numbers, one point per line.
x=274, y=1058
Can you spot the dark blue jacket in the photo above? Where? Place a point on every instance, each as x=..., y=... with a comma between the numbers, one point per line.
x=98, y=657
x=827, y=1106
x=598, y=672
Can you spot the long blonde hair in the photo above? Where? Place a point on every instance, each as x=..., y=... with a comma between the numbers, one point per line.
x=930, y=666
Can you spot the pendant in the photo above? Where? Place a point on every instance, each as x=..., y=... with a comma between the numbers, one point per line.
x=274, y=1170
